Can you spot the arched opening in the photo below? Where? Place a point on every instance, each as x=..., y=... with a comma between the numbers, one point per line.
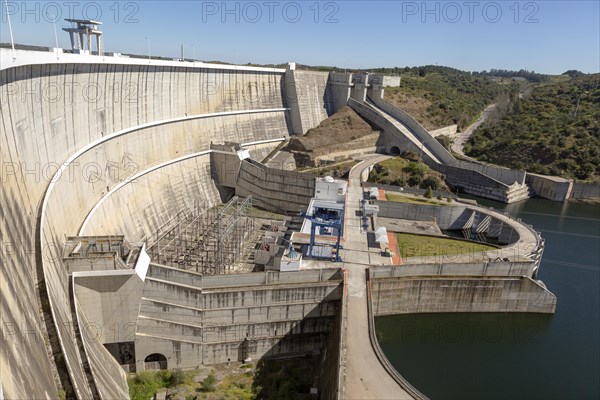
x=155, y=361
x=394, y=151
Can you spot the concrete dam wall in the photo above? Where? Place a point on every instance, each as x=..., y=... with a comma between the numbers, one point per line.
x=309, y=99
x=108, y=122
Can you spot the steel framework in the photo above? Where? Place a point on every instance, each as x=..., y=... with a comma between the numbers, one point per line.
x=209, y=241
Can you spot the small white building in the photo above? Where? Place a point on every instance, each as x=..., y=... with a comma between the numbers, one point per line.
x=331, y=189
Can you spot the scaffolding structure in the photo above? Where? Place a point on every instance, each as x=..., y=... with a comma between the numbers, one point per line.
x=208, y=241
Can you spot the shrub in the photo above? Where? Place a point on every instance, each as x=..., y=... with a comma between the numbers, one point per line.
x=414, y=181
x=431, y=182
x=429, y=193
x=400, y=182
x=208, y=384
x=415, y=169
x=177, y=378
x=411, y=156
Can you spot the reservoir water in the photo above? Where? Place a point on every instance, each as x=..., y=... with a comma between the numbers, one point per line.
x=515, y=356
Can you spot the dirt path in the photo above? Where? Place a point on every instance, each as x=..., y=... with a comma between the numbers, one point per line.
x=462, y=137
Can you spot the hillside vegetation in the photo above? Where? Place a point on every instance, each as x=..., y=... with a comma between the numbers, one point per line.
x=407, y=171
x=269, y=379
x=442, y=96
x=555, y=130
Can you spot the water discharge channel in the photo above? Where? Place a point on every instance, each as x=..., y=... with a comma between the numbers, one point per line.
x=500, y=356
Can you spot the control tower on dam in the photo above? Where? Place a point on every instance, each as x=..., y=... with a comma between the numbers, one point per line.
x=127, y=194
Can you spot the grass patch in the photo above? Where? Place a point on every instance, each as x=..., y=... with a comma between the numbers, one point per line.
x=337, y=170
x=401, y=198
x=422, y=246
x=259, y=213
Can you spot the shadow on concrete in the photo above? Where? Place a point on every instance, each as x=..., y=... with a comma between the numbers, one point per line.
x=371, y=241
x=286, y=378
x=302, y=359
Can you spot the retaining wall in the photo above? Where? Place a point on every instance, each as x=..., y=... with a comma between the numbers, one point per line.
x=447, y=217
x=213, y=319
x=391, y=134
x=274, y=189
x=504, y=175
x=432, y=295
x=413, y=126
x=549, y=187
x=585, y=190
x=486, y=269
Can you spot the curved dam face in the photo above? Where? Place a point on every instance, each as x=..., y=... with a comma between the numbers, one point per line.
x=73, y=132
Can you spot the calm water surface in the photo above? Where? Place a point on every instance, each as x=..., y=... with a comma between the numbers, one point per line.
x=515, y=356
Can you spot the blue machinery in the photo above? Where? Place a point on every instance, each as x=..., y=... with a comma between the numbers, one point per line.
x=325, y=221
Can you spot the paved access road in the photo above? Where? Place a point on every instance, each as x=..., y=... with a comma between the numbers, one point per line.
x=365, y=378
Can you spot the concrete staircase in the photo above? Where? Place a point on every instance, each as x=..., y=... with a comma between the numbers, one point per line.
x=518, y=192
x=483, y=225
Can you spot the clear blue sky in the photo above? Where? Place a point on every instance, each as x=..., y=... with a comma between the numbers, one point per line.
x=545, y=36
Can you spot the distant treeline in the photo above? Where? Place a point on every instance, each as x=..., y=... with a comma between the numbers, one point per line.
x=531, y=76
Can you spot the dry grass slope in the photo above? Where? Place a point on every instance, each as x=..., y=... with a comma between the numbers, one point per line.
x=335, y=133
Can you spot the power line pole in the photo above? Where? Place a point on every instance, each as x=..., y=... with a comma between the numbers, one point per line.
x=12, y=40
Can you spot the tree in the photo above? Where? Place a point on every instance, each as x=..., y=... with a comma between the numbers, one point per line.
x=585, y=171
x=208, y=384
x=429, y=193
x=415, y=169
x=414, y=180
x=430, y=182
x=400, y=182
x=177, y=377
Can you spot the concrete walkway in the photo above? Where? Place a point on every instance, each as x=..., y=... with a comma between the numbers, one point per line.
x=366, y=378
